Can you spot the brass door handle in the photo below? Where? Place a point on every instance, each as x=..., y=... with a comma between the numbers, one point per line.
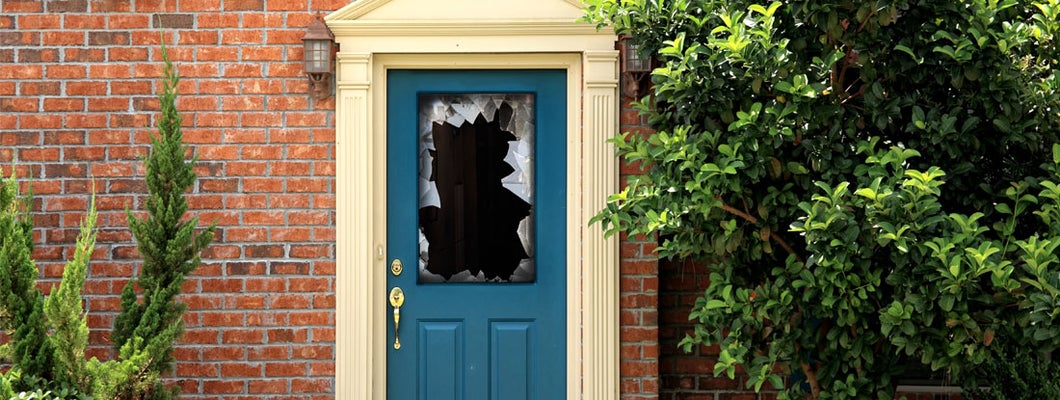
x=397, y=298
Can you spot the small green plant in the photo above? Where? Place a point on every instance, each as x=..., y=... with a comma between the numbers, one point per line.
x=39, y=388
x=21, y=309
x=44, y=365
x=170, y=247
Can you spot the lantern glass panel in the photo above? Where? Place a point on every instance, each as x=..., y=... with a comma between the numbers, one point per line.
x=634, y=61
x=317, y=56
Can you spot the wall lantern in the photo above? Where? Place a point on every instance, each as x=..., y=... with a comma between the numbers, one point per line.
x=634, y=67
x=319, y=42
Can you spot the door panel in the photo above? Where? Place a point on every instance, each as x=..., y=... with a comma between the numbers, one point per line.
x=495, y=338
x=512, y=360
x=442, y=352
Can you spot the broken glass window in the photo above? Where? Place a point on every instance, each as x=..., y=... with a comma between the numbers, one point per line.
x=476, y=187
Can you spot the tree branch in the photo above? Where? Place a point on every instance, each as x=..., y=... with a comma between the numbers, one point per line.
x=738, y=213
x=811, y=378
x=772, y=235
x=811, y=375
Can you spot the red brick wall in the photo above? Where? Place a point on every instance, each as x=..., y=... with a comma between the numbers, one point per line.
x=79, y=81
x=78, y=88
x=639, y=303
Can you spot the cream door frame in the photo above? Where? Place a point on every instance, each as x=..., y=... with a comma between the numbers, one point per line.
x=371, y=47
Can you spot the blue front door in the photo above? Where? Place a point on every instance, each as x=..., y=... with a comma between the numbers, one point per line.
x=476, y=189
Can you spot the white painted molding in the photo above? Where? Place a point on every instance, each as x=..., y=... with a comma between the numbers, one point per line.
x=363, y=9
x=462, y=28
x=354, y=10
x=600, y=179
x=356, y=247
x=368, y=50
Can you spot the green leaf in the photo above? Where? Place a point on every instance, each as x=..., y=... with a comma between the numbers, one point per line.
x=905, y=49
x=946, y=302
x=1003, y=208
x=776, y=381
x=784, y=86
x=715, y=304
x=1043, y=334
x=796, y=168
x=1003, y=125
x=867, y=193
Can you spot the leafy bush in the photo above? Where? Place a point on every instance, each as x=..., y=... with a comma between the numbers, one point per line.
x=49, y=335
x=1026, y=376
x=37, y=388
x=872, y=183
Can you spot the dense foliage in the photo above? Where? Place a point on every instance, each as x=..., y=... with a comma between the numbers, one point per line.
x=1025, y=376
x=872, y=183
x=48, y=335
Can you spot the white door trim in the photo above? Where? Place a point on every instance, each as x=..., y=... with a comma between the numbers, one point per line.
x=592, y=261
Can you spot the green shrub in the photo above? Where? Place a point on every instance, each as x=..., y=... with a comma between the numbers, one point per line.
x=1021, y=376
x=49, y=335
x=36, y=388
x=151, y=322
x=872, y=183
x=45, y=365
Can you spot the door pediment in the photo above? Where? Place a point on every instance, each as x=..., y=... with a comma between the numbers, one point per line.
x=462, y=18
x=456, y=10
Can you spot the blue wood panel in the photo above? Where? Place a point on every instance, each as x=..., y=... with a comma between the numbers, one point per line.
x=512, y=360
x=477, y=305
x=441, y=348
